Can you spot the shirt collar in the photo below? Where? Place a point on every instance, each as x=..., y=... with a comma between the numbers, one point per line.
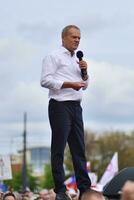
x=64, y=50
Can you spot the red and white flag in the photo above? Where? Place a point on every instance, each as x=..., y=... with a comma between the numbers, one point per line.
x=110, y=171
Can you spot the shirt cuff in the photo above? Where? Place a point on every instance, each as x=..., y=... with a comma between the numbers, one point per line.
x=57, y=85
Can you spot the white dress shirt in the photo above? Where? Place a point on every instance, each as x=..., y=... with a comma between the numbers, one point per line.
x=60, y=67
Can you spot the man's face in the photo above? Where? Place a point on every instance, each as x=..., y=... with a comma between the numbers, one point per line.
x=71, y=39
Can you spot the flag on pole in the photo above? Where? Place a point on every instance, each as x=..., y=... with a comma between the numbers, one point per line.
x=110, y=171
x=71, y=182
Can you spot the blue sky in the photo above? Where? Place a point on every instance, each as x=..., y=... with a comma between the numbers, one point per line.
x=30, y=29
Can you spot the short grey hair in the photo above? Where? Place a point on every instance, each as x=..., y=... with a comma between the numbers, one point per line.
x=67, y=28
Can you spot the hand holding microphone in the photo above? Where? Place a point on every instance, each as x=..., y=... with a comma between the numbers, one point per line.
x=83, y=65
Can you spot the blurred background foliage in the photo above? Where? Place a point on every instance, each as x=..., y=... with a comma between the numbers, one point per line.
x=99, y=150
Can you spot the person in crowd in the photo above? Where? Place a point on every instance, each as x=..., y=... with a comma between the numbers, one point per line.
x=62, y=74
x=92, y=195
x=52, y=194
x=44, y=194
x=38, y=198
x=27, y=194
x=128, y=191
x=9, y=196
x=1, y=195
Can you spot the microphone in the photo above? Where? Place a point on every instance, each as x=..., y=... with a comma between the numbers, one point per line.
x=79, y=55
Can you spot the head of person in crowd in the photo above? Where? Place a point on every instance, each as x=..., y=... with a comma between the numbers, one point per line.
x=18, y=195
x=44, y=194
x=9, y=196
x=128, y=191
x=25, y=198
x=52, y=194
x=92, y=195
x=1, y=195
x=27, y=193
x=38, y=198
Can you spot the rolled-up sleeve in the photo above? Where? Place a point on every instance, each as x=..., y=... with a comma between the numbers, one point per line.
x=48, y=79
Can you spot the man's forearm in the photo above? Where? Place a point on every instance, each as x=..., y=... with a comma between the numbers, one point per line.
x=73, y=85
x=67, y=85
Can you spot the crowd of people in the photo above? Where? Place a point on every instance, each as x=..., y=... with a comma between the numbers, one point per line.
x=46, y=194
x=127, y=193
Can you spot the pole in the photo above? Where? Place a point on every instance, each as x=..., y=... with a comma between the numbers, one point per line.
x=24, y=164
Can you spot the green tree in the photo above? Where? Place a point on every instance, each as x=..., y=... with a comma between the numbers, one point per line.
x=16, y=182
x=101, y=147
x=48, y=179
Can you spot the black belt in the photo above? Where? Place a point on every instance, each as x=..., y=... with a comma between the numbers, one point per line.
x=76, y=102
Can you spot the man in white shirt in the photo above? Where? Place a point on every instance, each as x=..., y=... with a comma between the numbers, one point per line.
x=61, y=74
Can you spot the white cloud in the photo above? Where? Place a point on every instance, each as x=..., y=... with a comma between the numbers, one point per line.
x=109, y=98
x=16, y=50
x=26, y=96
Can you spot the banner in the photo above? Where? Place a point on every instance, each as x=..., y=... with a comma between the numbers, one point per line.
x=5, y=167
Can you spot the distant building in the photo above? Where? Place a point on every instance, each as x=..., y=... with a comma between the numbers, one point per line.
x=16, y=163
x=37, y=157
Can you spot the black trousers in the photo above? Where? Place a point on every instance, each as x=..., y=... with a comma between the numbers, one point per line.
x=67, y=126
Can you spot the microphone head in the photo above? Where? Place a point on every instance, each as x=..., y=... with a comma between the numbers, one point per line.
x=79, y=55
